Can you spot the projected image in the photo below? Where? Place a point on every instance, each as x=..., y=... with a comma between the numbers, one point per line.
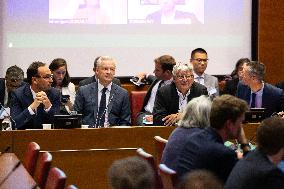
x=88, y=11
x=166, y=11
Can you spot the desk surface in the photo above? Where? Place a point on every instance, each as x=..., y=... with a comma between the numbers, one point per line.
x=19, y=178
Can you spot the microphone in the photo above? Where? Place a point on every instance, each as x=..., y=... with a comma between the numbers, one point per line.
x=103, y=114
x=10, y=173
x=9, y=116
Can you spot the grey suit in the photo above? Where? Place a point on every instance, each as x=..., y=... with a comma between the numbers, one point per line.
x=211, y=82
x=86, y=103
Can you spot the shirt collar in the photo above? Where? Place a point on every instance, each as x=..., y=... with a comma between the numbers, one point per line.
x=196, y=76
x=100, y=87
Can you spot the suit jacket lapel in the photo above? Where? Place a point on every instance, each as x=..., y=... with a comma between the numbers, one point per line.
x=111, y=96
x=94, y=98
x=28, y=95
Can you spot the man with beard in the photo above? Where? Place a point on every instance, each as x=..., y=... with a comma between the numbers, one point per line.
x=36, y=103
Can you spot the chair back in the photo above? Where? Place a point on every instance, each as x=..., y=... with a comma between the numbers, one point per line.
x=56, y=179
x=30, y=157
x=168, y=177
x=160, y=144
x=136, y=102
x=71, y=187
x=42, y=168
x=150, y=159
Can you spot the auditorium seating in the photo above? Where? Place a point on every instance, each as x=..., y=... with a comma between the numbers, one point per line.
x=160, y=144
x=42, y=168
x=168, y=177
x=56, y=179
x=31, y=156
x=136, y=101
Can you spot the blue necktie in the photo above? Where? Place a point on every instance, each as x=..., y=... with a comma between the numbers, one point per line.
x=253, y=95
x=102, y=109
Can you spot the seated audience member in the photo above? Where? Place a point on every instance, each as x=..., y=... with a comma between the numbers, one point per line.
x=256, y=92
x=172, y=99
x=103, y=103
x=131, y=173
x=280, y=85
x=195, y=117
x=259, y=169
x=169, y=15
x=93, y=78
x=231, y=85
x=61, y=81
x=36, y=102
x=200, y=179
x=206, y=149
x=163, y=76
x=199, y=61
x=13, y=79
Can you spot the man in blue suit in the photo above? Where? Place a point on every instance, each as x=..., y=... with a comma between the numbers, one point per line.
x=256, y=92
x=36, y=103
x=259, y=169
x=103, y=103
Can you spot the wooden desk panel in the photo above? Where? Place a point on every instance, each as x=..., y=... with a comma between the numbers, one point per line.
x=250, y=131
x=6, y=141
x=75, y=139
x=88, y=169
x=19, y=178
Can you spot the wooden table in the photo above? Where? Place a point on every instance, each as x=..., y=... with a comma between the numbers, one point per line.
x=16, y=176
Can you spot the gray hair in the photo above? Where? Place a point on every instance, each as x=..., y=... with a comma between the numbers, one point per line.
x=181, y=67
x=257, y=69
x=105, y=58
x=197, y=113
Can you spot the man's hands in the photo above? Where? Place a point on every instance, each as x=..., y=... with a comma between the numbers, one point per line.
x=171, y=119
x=41, y=98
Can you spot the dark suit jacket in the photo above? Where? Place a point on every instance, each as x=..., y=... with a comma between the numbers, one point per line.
x=2, y=90
x=155, y=17
x=93, y=79
x=255, y=171
x=86, y=103
x=280, y=85
x=22, y=98
x=231, y=87
x=272, y=97
x=167, y=100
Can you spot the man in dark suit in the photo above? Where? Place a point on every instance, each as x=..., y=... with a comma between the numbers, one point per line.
x=93, y=78
x=259, y=169
x=256, y=92
x=13, y=79
x=206, y=149
x=172, y=99
x=35, y=103
x=169, y=15
x=103, y=103
x=163, y=76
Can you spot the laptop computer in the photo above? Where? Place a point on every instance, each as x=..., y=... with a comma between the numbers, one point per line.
x=255, y=115
x=67, y=121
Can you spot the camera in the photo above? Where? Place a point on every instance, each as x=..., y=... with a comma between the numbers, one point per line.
x=65, y=98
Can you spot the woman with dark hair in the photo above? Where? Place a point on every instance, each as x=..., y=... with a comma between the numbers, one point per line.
x=231, y=85
x=62, y=82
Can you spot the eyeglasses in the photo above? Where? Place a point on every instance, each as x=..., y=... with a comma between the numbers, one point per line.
x=200, y=60
x=46, y=77
x=181, y=77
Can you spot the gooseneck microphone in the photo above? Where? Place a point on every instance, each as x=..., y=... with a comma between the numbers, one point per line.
x=9, y=115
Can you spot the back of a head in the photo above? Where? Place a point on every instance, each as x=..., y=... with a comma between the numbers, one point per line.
x=200, y=179
x=270, y=135
x=167, y=62
x=131, y=173
x=226, y=107
x=14, y=73
x=197, y=113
